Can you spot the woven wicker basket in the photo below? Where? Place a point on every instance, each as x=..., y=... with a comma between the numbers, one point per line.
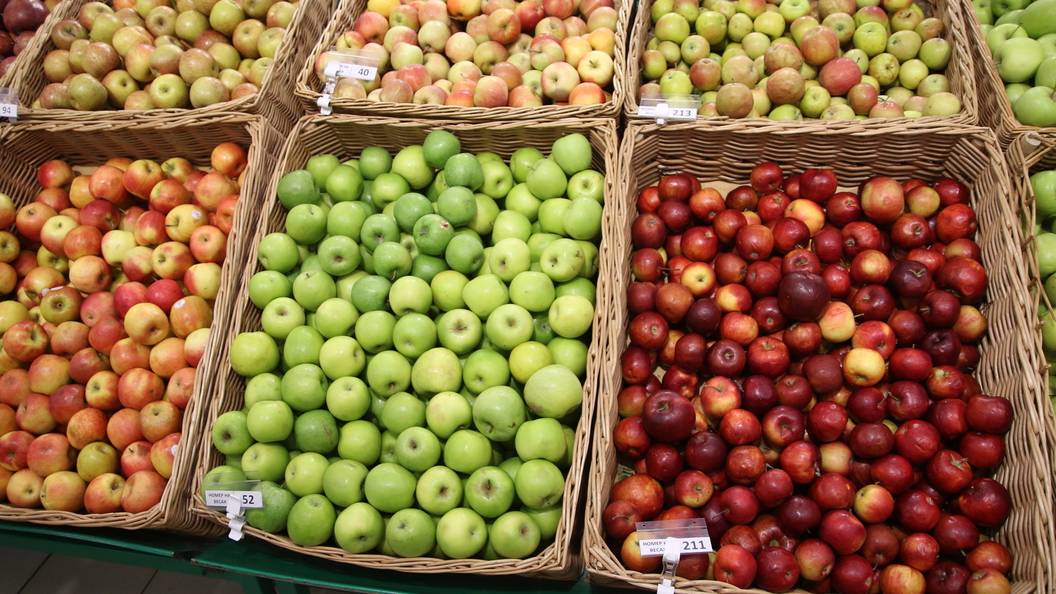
x=309, y=88
x=8, y=80
x=275, y=101
x=960, y=72
x=995, y=110
x=1008, y=355
x=346, y=136
x=23, y=147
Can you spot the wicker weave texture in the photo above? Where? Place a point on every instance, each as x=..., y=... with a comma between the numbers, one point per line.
x=1009, y=354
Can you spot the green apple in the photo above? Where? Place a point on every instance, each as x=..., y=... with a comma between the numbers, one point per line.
x=537, y=242
x=573, y=151
x=571, y=315
x=570, y=352
x=539, y=483
x=498, y=413
x=377, y=229
x=320, y=167
x=386, y=189
x=390, y=487
x=266, y=386
x=484, y=369
x=311, y=521
x=339, y=255
x=269, y=421
x=554, y=391
x=490, y=491
x=510, y=224
x=543, y=333
x=281, y=316
x=437, y=370
x=417, y=449
x=521, y=161
x=484, y=294
x=304, y=387
x=374, y=330
x=432, y=233
x=582, y=220
x=1043, y=184
x=461, y=533
x=316, y=431
x=534, y=291
x=1046, y=243
x=304, y=473
x=511, y=465
x=546, y=179
x=448, y=412
x=360, y=441
x=509, y=257
x=510, y=325
x=464, y=253
x=541, y=439
x=459, y=330
x=414, y=334
x=465, y=170
x=410, y=294
x=439, y=146
x=359, y=528
x=336, y=317
x=457, y=205
x=278, y=252
x=346, y=218
x=302, y=345
x=343, y=482
x=268, y=285
x=1018, y=59
x=527, y=358
x=388, y=372
x=552, y=215
x=426, y=267
x=580, y=286
x=371, y=293
x=231, y=434
x=410, y=532
x=547, y=519
x=306, y=223
x=341, y=356
x=410, y=207
x=447, y=287
x=297, y=187
x=587, y=184
x=344, y=184
x=466, y=451
x=562, y=260
x=348, y=398
x=514, y=535
x=312, y=288
x=277, y=505
x=1036, y=107
x=253, y=353
x=439, y=490
x=402, y=411
x=265, y=461
x=521, y=201
x=498, y=180
x=410, y=164
x=391, y=260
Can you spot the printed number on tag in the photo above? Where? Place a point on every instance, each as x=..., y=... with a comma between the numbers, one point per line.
x=654, y=547
x=246, y=499
x=357, y=71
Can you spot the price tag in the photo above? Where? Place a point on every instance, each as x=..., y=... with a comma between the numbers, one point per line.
x=689, y=537
x=8, y=103
x=669, y=107
x=356, y=71
x=245, y=499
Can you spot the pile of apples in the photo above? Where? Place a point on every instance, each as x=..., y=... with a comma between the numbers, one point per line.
x=19, y=23
x=160, y=54
x=1022, y=42
x=1043, y=185
x=108, y=282
x=799, y=375
x=833, y=60
x=411, y=391
x=493, y=53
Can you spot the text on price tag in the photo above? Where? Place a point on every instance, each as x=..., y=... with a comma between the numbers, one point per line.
x=357, y=71
x=669, y=107
x=8, y=103
x=246, y=499
x=691, y=537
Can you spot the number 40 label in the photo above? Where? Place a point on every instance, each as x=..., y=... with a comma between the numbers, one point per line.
x=246, y=499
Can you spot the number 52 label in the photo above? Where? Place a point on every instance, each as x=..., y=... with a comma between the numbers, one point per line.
x=247, y=499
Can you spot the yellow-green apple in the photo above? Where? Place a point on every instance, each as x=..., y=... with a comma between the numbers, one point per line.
x=165, y=59
x=64, y=402
x=14, y=447
x=60, y=304
x=23, y=489
x=103, y=494
x=189, y=314
x=194, y=346
x=146, y=323
x=208, y=245
x=178, y=168
x=143, y=490
x=158, y=419
x=97, y=458
x=161, y=21
x=166, y=358
x=141, y=177
x=123, y=428
x=203, y=280
x=116, y=244
x=50, y=260
x=9, y=247
x=558, y=80
x=25, y=341
x=11, y=313
x=180, y=388
x=525, y=96
x=63, y=491
x=596, y=67
x=169, y=91
x=244, y=90
x=138, y=264
x=182, y=220
x=101, y=391
x=50, y=453
x=100, y=58
x=86, y=425
x=139, y=387
x=128, y=354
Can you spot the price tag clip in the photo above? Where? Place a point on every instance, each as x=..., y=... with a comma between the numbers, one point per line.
x=671, y=539
x=662, y=108
x=346, y=63
x=234, y=496
x=8, y=104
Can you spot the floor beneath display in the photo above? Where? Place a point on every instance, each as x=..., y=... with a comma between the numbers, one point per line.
x=32, y=572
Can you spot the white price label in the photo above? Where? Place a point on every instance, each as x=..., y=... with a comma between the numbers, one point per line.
x=654, y=547
x=665, y=111
x=357, y=71
x=8, y=110
x=246, y=499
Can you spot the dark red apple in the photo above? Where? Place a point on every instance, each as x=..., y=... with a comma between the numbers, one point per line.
x=832, y=491
x=982, y=450
x=715, y=519
x=909, y=327
x=985, y=502
x=778, y=570
x=989, y=414
x=948, y=418
x=676, y=215
x=907, y=401
x=726, y=358
x=871, y=440
x=648, y=330
x=699, y=244
x=842, y=531
x=956, y=221
x=727, y=223
x=827, y=421
x=948, y=472
x=743, y=536
x=892, y=472
x=706, y=203
x=824, y=372
x=734, y=565
x=745, y=464
x=663, y=462
x=881, y=545
x=668, y=416
x=910, y=364
x=910, y=278
x=705, y=451
x=648, y=231
x=767, y=315
x=798, y=514
x=828, y=245
x=947, y=577
x=767, y=356
x=800, y=460
x=964, y=277
x=762, y=279
x=872, y=302
x=619, y=518
x=742, y=198
x=956, y=534
x=916, y=511
x=789, y=234
x=767, y=177
x=773, y=487
x=817, y=185
x=802, y=339
x=867, y=405
x=676, y=186
x=630, y=437
x=641, y=296
x=772, y=206
x=843, y=208
x=911, y=231
x=803, y=296
x=939, y=309
x=740, y=505
x=859, y=236
x=759, y=395
x=703, y=317
x=636, y=365
x=648, y=199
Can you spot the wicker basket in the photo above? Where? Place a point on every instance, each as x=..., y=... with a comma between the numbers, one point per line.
x=25, y=146
x=995, y=110
x=960, y=72
x=8, y=80
x=274, y=101
x=309, y=88
x=1009, y=353
x=346, y=136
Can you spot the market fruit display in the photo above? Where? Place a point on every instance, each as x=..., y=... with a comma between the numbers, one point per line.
x=798, y=373
x=1043, y=185
x=793, y=60
x=159, y=54
x=19, y=20
x=416, y=379
x=495, y=53
x=1021, y=38
x=108, y=279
